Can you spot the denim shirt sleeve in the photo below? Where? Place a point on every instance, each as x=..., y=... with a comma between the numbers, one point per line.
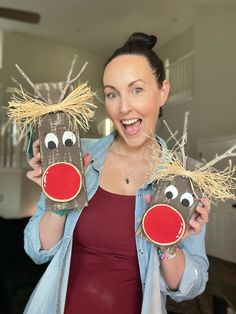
x=32, y=243
x=195, y=274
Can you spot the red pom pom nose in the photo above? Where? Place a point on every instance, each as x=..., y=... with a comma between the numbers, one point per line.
x=163, y=224
x=61, y=182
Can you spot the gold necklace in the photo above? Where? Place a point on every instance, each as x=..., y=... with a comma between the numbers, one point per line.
x=127, y=173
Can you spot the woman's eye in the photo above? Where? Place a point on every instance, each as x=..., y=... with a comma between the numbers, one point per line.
x=187, y=199
x=137, y=90
x=110, y=95
x=171, y=192
x=68, y=138
x=51, y=141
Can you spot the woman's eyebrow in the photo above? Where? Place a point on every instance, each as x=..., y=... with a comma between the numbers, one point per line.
x=138, y=80
x=108, y=86
x=130, y=84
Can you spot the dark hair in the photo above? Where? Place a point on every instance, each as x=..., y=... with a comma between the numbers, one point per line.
x=142, y=44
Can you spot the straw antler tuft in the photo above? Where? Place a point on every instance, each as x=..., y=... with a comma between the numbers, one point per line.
x=212, y=183
x=27, y=111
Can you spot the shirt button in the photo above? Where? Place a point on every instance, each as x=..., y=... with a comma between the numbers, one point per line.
x=140, y=251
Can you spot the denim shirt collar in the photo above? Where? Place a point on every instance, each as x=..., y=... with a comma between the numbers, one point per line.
x=102, y=148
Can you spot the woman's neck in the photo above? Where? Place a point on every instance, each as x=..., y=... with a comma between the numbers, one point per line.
x=122, y=148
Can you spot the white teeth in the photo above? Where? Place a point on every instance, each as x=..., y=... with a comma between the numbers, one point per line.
x=127, y=122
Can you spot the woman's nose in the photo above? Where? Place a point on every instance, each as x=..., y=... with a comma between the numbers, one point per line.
x=125, y=105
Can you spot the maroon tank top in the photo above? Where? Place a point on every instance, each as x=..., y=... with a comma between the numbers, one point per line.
x=104, y=273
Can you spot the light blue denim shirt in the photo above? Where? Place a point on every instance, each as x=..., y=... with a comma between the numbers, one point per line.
x=50, y=293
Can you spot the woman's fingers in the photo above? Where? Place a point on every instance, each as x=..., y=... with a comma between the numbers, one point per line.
x=148, y=198
x=35, y=164
x=31, y=174
x=203, y=210
x=35, y=176
x=86, y=159
x=36, y=147
x=194, y=227
x=200, y=218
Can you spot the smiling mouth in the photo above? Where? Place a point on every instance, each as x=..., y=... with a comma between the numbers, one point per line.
x=131, y=126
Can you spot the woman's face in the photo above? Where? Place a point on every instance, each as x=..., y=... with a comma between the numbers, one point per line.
x=133, y=97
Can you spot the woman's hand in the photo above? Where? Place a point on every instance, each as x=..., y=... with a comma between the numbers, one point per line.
x=87, y=159
x=35, y=163
x=201, y=217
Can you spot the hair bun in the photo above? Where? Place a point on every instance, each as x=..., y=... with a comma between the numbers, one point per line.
x=142, y=39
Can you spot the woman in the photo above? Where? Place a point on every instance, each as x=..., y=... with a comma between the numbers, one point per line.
x=106, y=268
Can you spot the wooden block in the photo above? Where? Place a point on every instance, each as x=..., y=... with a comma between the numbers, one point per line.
x=63, y=179
x=173, y=205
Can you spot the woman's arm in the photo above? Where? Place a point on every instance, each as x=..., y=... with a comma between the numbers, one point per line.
x=51, y=228
x=173, y=269
x=51, y=225
x=32, y=241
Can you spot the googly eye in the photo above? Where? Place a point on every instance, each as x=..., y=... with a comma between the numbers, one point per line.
x=68, y=138
x=51, y=141
x=171, y=192
x=187, y=199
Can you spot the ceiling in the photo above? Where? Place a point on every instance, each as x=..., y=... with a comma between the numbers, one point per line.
x=102, y=25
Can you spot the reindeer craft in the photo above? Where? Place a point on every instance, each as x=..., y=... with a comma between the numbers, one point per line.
x=58, y=110
x=181, y=182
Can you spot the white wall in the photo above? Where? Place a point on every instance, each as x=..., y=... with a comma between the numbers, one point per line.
x=45, y=60
x=215, y=70
x=1, y=48
x=174, y=113
x=178, y=47
x=213, y=110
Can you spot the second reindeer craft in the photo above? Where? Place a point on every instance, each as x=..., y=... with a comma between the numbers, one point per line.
x=181, y=182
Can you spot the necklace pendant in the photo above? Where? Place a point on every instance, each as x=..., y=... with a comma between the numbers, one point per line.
x=127, y=180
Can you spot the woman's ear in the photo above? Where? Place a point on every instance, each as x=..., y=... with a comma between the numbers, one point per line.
x=164, y=92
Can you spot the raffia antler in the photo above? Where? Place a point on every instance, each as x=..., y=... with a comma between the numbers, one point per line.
x=214, y=184
x=27, y=109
